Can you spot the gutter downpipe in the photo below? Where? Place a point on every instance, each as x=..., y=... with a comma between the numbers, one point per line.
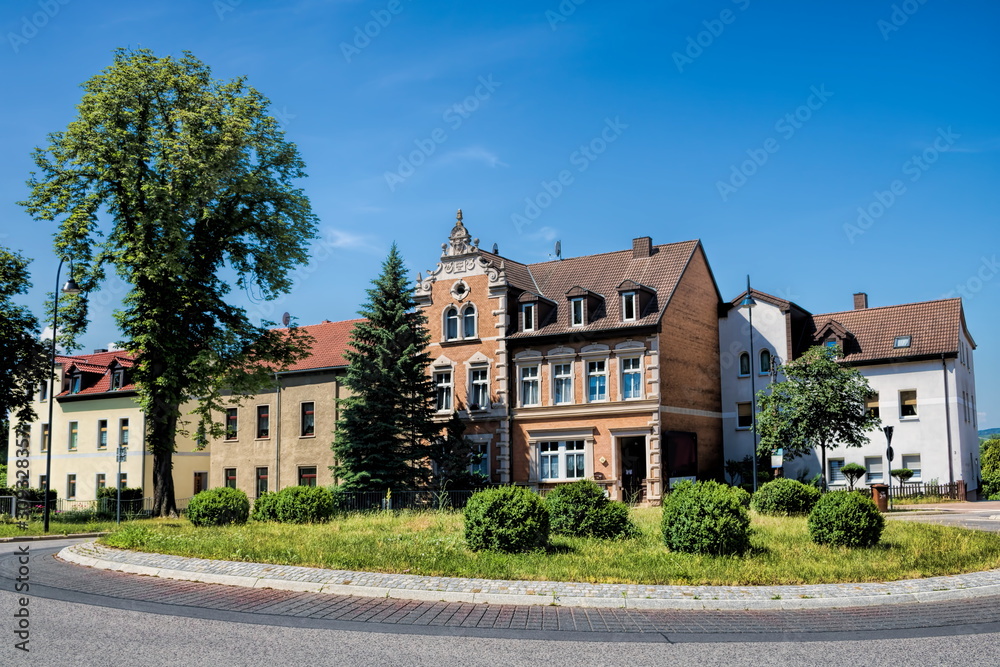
x=277, y=435
x=947, y=420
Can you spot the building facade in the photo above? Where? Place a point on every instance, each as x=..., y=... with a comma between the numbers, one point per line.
x=601, y=367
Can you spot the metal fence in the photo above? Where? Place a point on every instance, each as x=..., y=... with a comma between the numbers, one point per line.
x=8, y=505
x=364, y=501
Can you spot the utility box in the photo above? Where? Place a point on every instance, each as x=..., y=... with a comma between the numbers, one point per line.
x=880, y=494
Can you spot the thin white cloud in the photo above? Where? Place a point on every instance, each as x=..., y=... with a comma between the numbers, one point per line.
x=474, y=154
x=544, y=234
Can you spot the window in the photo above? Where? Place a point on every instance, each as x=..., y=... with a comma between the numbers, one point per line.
x=307, y=420
x=229, y=477
x=529, y=386
x=912, y=461
x=744, y=415
x=117, y=379
x=70, y=487
x=479, y=397
x=628, y=306
x=836, y=476
x=451, y=323
x=563, y=459
x=45, y=437
x=908, y=403
x=765, y=362
x=232, y=423
x=74, y=433
x=469, y=322
x=744, y=364
x=562, y=383
x=261, y=482
x=597, y=381
x=263, y=421
x=42, y=482
x=631, y=377
x=576, y=312
x=871, y=405
x=101, y=481
x=200, y=482
x=123, y=480
x=443, y=382
x=75, y=384
x=307, y=476
x=123, y=432
x=901, y=341
x=831, y=343
x=528, y=316
x=482, y=450
x=873, y=464
x=43, y=391
x=102, y=434
x=965, y=406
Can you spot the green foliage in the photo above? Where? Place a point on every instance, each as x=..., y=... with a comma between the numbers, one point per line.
x=853, y=472
x=128, y=493
x=303, y=504
x=107, y=499
x=847, y=519
x=989, y=463
x=386, y=422
x=197, y=186
x=265, y=508
x=902, y=474
x=509, y=518
x=452, y=454
x=784, y=497
x=218, y=507
x=705, y=518
x=820, y=404
x=581, y=509
x=3, y=475
x=23, y=357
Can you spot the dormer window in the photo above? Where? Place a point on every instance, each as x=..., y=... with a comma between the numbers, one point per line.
x=629, y=303
x=75, y=384
x=901, y=341
x=117, y=379
x=576, y=312
x=528, y=316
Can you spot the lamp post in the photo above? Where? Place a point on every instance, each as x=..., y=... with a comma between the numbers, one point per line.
x=69, y=288
x=889, y=456
x=749, y=304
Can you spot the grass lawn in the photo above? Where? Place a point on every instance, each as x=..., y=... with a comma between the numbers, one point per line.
x=431, y=543
x=56, y=528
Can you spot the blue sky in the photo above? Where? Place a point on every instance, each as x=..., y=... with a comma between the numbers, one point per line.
x=766, y=130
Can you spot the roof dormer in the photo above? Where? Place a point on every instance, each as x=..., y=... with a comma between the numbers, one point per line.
x=585, y=306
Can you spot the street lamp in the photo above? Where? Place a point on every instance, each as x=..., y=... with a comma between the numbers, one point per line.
x=889, y=456
x=749, y=304
x=69, y=288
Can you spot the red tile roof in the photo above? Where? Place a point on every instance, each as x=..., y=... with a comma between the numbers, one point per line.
x=330, y=341
x=98, y=363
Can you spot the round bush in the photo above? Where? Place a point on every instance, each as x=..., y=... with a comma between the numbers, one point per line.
x=581, y=509
x=508, y=518
x=842, y=518
x=705, y=518
x=784, y=497
x=265, y=507
x=303, y=504
x=219, y=507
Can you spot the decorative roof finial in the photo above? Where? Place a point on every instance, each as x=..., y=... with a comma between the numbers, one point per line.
x=460, y=240
x=459, y=216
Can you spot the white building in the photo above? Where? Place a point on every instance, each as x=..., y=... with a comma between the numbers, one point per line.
x=917, y=357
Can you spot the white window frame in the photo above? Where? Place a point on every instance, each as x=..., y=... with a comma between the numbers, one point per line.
x=73, y=436
x=562, y=379
x=71, y=485
x=603, y=373
x=481, y=445
x=632, y=297
x=123, y=432
x=917, y=472
x=102, y=434
x=577, y=312
x=529, y=374
x=638, y=371
x=559, y=453
x=916, y=405
x=467, y=311
x=236, y=429
x=528, y=312
x=444, y=386
x=117, y=379
x=870, y=472
x=836, y=476
x=479, y=386
x=450, y=316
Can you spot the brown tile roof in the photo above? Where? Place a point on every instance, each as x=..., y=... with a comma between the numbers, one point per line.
x=100, y=364
x=601, y=275
x=933, y=326
x=783, y=304
x=330, y=341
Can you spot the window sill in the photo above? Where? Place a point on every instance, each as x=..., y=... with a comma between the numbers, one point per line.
x=914, y=418
x=458, y=341
x=744, y=428
x=311, y=436
x=262, y=439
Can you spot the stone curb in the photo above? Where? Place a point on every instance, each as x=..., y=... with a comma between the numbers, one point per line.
x=763, y=597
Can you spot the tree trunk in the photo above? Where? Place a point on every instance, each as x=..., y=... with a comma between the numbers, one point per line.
x=822, y=472
x=162, y=427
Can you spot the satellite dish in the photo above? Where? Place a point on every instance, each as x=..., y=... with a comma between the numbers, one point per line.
x=559, y=249
x=496, y=249
x=285, y=319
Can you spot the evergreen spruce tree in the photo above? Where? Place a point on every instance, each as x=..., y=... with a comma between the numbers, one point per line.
x=386, y=424
x=453, y=454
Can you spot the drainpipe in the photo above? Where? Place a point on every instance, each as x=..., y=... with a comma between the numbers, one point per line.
x=947, y=420
x=277, y=436
x=143, y=468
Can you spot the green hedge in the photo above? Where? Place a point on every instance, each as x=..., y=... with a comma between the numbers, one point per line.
x=844, y=518
x=784, y=497
x=705, y=518
x=303, y=504
x=581, y=509
x=219, y=507
x=508, y=518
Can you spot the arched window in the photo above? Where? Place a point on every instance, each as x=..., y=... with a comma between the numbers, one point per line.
x=745, y=363
x=765, y=362
x=469, y=322
x=451, y=323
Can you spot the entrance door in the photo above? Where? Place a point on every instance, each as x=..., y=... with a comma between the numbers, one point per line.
x=633, y=467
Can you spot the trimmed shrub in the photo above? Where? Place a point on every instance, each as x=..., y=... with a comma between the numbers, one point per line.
x=581, y=509
x=705, y=518
x=107, y=500
x=218, y=507
x=508, y=518
x=843, y=518
x=265, y=507
x=303, y=504
x=784, y=497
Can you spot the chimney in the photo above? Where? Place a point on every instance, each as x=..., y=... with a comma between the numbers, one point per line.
x=860, y=301
x=642, y=247
x=99, y=350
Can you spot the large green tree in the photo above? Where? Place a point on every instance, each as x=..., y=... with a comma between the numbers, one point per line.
x=453, y=455
x=23, y=358
x=185, y=185
x=386, y=425
x=821, y=403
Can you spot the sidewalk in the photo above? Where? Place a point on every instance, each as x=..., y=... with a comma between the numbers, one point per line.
x=534, y=593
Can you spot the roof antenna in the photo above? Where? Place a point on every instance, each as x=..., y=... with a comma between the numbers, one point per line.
x=559, y=250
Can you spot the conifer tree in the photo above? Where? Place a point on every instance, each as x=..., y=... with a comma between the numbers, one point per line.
x=382, y=435
x=453, y=454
